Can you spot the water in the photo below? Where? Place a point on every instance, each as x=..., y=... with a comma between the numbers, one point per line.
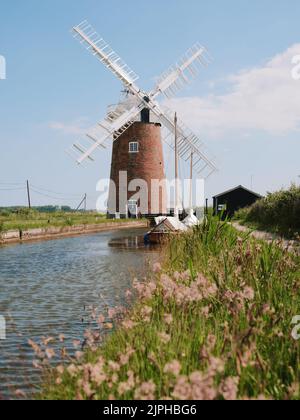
x=45, y=288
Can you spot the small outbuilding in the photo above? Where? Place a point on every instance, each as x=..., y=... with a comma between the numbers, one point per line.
x=233, y=200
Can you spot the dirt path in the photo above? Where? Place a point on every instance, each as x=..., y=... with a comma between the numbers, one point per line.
x=269, y=237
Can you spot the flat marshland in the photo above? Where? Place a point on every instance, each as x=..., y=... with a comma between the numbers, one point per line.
x=25, y=219
x=212, y=321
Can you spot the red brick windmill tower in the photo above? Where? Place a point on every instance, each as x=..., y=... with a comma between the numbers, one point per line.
x=134, y=126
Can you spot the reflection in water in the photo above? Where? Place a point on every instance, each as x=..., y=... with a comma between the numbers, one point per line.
x=46, y=287
x=128, y=243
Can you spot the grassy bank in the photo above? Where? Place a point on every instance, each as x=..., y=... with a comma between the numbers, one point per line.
x=278, y=213
x=213, y=321
x=31, y=219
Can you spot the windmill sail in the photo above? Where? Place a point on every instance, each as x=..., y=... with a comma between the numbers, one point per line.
x=87, y=36
x=111, y=128
x=120, y=119
x=174, y=79
x=188, y=143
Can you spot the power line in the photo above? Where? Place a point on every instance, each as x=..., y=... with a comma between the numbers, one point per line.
x=13, y=189
x=50, y=196
x=11, y=183
x=44, y=192
x=56, y=193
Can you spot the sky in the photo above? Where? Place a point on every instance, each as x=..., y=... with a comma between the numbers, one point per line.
x=245, y=106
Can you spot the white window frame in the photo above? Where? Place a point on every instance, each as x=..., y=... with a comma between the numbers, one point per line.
x=135, y=148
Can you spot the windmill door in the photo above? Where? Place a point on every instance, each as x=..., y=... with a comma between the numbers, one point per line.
x=133, y=209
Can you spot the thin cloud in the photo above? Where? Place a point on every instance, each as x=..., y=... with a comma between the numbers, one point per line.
x=77, y=127
x=264, y=98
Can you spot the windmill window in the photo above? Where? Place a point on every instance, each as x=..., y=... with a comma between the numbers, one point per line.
x=133, y=147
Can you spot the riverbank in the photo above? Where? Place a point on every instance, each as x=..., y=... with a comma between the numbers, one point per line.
x=212, y=321
x=52, y=232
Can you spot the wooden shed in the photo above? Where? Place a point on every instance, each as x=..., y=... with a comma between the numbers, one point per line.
x=232, y=200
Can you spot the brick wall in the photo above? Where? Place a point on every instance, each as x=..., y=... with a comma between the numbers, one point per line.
x=147, y=164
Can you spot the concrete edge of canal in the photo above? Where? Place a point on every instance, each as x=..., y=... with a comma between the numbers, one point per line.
x=18, y=236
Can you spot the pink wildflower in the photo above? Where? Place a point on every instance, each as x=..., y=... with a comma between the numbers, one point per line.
x=157, y=268
x=47, y=340
x=229, y=389
x=115, y=367
x=36, y=364
x=101, y=320
x=146, y=312
x=124, y=358
x=36, y=348
x=97, y=374
x=128, y=294
x=50, y=353
x=168, y=319
x=72, y=370
x=173, y=368
x=205, y=311
x=183, y=389
x=87, y=389
x=248, y=293
x=114, y=378
x=79, y=355
x=129, y=324
x=146, y=392
x=60, y=369
x=164, y=337
x=128, y=385
x=20, y=394
x=111, y=313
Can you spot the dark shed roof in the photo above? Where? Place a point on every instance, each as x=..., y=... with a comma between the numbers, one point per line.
x=237, y=188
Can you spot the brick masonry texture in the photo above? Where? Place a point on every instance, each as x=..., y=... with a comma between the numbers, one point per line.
x=147, y=164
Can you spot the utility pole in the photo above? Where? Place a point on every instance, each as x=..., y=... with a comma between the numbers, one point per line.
x=191, y=181
x=85, y=202
x=176, y=212
x=28, y=195
x=81, y=202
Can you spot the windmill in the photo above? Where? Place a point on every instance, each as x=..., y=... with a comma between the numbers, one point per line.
x=134, y=125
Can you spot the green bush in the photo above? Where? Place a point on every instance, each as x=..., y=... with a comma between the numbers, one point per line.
x=5, y=213
x=69, y=222
x=279, y=212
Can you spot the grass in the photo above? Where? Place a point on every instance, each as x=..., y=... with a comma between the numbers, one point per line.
x=278, y=213
x=26, y=219
x=212, y=322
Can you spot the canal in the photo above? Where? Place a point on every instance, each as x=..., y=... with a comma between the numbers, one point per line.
x=46, y=288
